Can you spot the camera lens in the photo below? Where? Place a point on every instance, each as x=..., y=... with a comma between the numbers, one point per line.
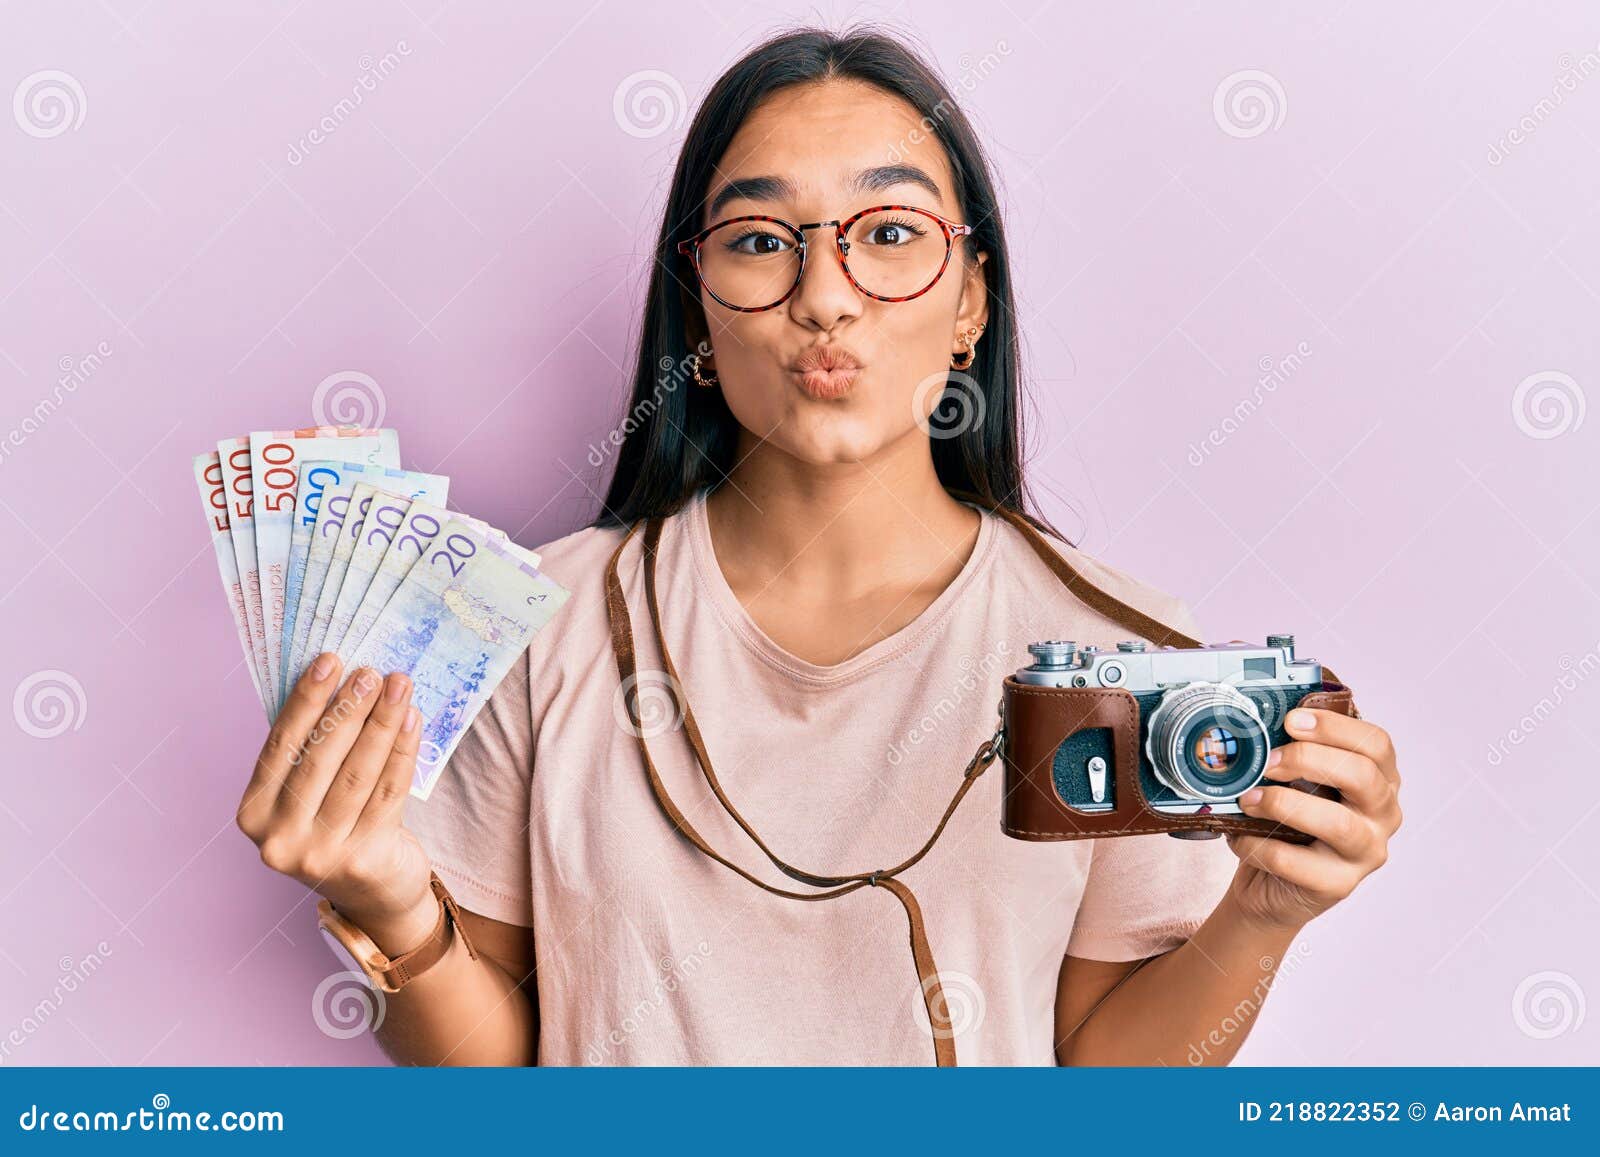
x=1214, y=750
x=1207, y=742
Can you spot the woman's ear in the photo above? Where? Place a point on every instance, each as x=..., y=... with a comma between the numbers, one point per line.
x=698, y=344
x=973, y=308
x=696, y=333
x=698, y=341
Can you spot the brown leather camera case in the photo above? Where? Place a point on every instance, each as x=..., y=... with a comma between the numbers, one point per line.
x=1039, y=719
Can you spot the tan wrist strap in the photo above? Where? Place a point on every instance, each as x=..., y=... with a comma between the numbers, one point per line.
x=391, y=974
x=408, y=966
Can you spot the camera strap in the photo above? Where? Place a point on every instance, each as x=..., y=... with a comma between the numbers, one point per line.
x=841, y=884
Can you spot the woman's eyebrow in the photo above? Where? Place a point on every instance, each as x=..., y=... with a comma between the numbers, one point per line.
x=886, y=176
x=751, y=189
x=769, y=188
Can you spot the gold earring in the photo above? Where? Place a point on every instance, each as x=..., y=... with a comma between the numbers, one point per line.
x=968, y=339
x=698, y=377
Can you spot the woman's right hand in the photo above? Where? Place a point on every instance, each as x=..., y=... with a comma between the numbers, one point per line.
x=326, y=801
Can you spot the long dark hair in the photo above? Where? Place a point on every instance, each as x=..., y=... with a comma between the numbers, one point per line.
x=676, y=437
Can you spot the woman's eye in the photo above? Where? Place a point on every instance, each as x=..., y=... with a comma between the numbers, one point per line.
x=893, y=233
x=758, y=244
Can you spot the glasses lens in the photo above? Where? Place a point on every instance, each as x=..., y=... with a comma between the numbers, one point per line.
x=749, y=264
x=896, y=252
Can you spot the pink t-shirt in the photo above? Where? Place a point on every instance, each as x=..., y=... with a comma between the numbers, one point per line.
x=649, y=952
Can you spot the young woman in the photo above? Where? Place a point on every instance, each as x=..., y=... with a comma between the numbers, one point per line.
x=839, y=602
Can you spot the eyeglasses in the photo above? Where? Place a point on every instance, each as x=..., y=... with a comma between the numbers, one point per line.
x=889, y=252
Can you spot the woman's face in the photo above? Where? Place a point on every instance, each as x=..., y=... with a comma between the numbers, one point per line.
x=828, y=150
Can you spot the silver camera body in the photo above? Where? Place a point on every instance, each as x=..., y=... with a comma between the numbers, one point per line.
x=1208, y=717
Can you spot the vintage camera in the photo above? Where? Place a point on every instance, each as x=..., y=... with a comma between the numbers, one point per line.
x=1139, y=739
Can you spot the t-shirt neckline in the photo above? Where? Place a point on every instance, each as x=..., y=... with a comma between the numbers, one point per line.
x=715, y=585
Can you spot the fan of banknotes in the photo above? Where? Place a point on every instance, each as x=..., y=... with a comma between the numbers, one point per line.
x=325, y=544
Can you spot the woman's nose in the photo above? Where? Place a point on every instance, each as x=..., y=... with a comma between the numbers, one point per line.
x=825, y=294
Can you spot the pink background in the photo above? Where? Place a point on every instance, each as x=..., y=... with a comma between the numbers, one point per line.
x=470, y=236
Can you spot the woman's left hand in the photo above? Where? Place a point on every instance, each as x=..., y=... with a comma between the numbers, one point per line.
x=1284, y=885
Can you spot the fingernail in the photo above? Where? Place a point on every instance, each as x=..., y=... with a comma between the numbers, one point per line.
x=323, y=667
x=396, y=689
x=366, y=681
x=410, y=724
x=1251, y=797
x=1275, y=758
x=1302, y=720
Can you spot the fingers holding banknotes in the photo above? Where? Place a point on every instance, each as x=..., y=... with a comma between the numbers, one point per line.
x=325, y=801
x=325, y=543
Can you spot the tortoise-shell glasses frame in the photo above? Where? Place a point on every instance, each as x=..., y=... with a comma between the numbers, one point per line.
x=950, y=229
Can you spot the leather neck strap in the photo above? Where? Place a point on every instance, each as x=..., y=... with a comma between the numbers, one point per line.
x=1099, y=600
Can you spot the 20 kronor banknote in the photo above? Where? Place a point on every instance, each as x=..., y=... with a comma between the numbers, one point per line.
x=324, y=543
